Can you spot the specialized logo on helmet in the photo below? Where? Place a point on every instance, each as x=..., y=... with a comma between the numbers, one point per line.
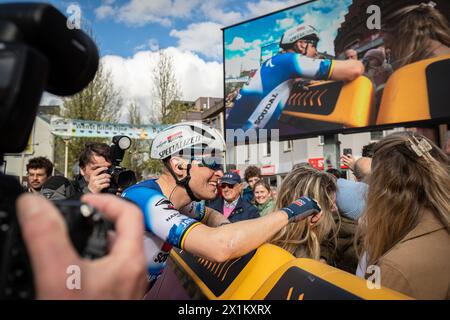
x=179, y=146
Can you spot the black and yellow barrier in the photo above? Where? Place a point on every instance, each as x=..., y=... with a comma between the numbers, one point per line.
x=274, y=274
x=415, y=92
x=234, y=279
x=350, y=104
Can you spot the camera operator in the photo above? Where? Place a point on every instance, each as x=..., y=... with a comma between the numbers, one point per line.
x=94, y=161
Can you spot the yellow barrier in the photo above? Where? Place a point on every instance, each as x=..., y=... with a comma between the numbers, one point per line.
x=274, y=274
x=216, y=281
x=406, y=93
x=306, y=279
x=350, y=104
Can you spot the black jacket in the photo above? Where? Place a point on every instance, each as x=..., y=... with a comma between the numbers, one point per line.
x=244, y=210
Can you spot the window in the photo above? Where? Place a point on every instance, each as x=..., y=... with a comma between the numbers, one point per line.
x=321, y=140
x=247, y=159
x=376, y=135
x=287, y=145
x=268, y=149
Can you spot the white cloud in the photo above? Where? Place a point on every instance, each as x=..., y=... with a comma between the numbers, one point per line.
x=250, y=61
x=329, y=23
x=132, y=76
x=284, y=24
x=204, y=38
x=213, y=10
x=141, y=12
x=268, y=6
x=237, y=44
x=104, y=11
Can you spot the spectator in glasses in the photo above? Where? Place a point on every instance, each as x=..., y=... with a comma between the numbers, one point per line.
x=232, y=205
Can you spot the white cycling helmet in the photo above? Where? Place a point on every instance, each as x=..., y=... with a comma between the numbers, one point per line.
x=181, y=139
x=294, y=34
x=186, y=135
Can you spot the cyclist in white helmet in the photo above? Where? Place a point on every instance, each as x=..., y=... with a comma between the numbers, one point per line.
x=260, y=102
x=174, y=214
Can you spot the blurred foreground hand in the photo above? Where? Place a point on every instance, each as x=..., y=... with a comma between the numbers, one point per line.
x=119, y=275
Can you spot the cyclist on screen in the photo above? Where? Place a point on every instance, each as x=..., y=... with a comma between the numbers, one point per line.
x=174, y=214
x=261, y=101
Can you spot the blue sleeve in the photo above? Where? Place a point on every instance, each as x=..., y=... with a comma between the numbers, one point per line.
x=293, y=65
x=160, y=216
x=351, y=198
x=316, y=69
x=196, y=210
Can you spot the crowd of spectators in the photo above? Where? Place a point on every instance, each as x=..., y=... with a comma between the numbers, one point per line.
x=395, y=215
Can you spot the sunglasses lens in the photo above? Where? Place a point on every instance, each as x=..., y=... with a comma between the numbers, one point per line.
x=211, y=163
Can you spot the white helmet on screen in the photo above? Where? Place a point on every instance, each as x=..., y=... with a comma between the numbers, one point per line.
x=301, y=32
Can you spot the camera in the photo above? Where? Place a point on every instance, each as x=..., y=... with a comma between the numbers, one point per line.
x=87, y=231
x=121, y=178
x=38, y=52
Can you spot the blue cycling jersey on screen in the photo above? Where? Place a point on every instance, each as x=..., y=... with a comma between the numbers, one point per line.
x=261, y=101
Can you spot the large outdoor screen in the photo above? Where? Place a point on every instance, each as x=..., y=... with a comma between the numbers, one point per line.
x=278, y=69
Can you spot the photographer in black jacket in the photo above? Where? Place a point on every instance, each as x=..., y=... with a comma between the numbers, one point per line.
x=94, y=161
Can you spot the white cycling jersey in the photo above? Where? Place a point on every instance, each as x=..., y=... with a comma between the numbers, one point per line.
x=165, y=226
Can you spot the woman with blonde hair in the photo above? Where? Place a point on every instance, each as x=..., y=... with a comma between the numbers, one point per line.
x=416, y=32
x=405, y=229
x=303, y=239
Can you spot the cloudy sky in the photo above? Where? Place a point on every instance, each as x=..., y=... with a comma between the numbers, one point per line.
x=130, y=32
x=250, y=43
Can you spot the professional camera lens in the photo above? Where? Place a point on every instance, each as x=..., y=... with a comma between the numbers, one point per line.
x=126, y=178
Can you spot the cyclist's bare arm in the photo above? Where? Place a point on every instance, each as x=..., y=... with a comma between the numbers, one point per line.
x=346, y=70
x=235, y=239
x=215, y=218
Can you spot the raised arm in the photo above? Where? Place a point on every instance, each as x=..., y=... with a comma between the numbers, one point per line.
x=236, y=239
x=346, y=70
x=215, y=218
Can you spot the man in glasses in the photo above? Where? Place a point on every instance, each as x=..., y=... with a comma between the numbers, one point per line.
x=173, y=206
x=260, y=102
x=232, y=205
